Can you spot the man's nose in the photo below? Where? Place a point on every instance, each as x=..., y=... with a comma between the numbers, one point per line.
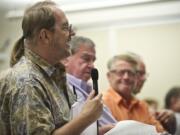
x=91, y=64
x=71, y=33
x=126, y=75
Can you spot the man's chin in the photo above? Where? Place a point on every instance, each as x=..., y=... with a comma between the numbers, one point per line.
x=126, y=89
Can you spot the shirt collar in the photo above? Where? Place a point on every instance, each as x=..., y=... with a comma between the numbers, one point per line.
x=119, y=99
x=115, y=95
x=35, y=58
x=79, y=83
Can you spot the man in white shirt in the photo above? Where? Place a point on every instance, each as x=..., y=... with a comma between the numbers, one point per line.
x=78, y=67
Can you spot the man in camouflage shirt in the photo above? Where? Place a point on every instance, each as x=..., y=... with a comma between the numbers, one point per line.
x=34, y=97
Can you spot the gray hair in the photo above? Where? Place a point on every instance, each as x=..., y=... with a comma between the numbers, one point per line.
x=136, y=56
x=124, y=57
x=77, y=41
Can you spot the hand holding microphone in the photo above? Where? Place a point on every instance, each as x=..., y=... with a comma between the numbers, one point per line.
x=93, y=106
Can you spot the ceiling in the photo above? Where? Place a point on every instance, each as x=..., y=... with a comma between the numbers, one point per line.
x=19, y=4
x=96, y=13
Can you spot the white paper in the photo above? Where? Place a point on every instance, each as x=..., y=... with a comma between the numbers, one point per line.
x=131, y=127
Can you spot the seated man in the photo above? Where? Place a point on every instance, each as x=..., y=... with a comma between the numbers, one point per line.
x=78, y=67
x=119, y=97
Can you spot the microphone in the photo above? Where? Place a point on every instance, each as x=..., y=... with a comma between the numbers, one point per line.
x=94, y=76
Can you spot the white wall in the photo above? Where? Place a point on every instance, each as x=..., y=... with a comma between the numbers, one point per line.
x=9, y=30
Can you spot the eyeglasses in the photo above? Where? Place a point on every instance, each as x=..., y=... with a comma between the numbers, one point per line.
x=121, y=73
x=70, y=28
x=142, y=74
x=67, y=27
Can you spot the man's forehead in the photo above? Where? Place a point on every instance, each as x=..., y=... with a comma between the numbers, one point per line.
x=60, y=15
x=89, y=54
x=121, y=64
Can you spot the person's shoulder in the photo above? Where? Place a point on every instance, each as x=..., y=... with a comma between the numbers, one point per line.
x=21, y=78
x=141, y=101
x=20, y=74
x=143, y=104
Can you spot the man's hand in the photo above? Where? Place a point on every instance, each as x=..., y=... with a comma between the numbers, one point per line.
x=165, y=116
x=104, y=129
x=167, y=119
x=93, y=107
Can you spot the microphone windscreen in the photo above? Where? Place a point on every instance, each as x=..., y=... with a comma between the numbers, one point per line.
x=94, y=74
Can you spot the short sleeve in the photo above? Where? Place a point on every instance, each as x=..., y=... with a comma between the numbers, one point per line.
x=30, y=112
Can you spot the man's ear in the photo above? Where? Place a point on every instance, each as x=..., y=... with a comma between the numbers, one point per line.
x=64, y=62
x=45, y=36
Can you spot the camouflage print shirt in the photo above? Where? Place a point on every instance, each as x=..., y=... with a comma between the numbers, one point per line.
x=34, y=97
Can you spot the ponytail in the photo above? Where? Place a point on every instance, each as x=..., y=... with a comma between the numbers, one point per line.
x=17, y=51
